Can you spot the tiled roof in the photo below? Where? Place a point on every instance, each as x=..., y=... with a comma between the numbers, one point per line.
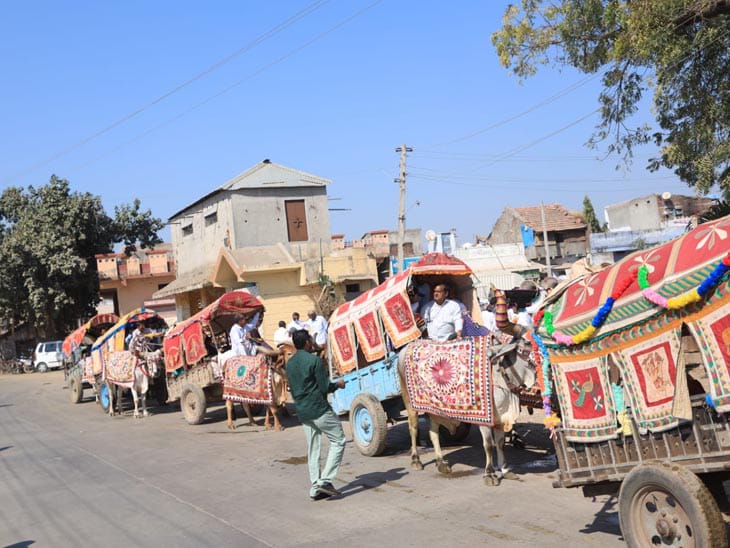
x=557, y=217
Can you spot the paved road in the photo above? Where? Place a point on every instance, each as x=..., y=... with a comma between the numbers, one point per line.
x=71, y=476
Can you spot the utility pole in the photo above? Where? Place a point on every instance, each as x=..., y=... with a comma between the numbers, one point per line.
x=545, y=240
x=403, y=149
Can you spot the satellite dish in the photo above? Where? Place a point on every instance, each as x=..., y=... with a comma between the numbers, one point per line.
x=666, y=195
x=430, y=235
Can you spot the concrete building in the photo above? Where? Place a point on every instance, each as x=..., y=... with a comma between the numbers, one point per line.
x=266, y=230
x=655, y=212
x=644, y=222
x=382, y=245
x=567, y=234
x=127, y=283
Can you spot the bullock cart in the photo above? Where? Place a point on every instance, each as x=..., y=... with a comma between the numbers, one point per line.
x=79, y=369
x=637, y=361
x=196, y=350
x=110, y=355
x=365, y=336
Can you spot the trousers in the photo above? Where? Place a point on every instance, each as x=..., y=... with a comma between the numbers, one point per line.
x=329, y=425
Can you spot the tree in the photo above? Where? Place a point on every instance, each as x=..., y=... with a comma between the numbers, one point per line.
x=49, y=237
x=589, y=214
x=678, y=49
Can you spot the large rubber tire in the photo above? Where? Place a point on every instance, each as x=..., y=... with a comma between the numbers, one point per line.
x=192, y=403
x=42, y=367
x=663, y=504
x=75, y=388
x=462, y=431
x=104, y=397
x=369, y=425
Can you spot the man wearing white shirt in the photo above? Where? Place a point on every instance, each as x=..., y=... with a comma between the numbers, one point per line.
x=443, y=316
x=295, y=324
x=281, y=335
x=317, y=327
x=241, y=344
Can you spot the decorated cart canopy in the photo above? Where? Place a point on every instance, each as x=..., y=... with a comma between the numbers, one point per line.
x=629, y=317
x=88, y=332
x=386, y=309
x=184, y=344
x=108, y=354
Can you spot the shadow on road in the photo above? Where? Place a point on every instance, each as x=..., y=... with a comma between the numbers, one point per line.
x=606, y=519
x=21, y=544
x=372, y=480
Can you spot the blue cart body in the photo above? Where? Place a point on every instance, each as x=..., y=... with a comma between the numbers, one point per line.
x=379, y=379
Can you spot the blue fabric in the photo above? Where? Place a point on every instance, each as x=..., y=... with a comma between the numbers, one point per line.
x=528, y=236
x=472, y=329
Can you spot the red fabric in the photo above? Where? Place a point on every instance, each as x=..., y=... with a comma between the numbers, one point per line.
x=248, y=379
x=656, y=371
x=241, y=302
x=704, y=243
x=398, y=320
x=193, y=344
x=586, y=401
x=173, y=353
x=342, y=343
x=674, y=260
x=188, y=335
x=73, y=341
x=587, y=394
x=440, y=263
x=370, y=337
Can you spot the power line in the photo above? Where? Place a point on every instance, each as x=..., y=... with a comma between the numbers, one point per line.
x=251, y=76
x=427, y=179
x=417, y=171
x=534, y=107
x=247, y=47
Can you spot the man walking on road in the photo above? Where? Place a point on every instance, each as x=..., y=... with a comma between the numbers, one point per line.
x=309, y=384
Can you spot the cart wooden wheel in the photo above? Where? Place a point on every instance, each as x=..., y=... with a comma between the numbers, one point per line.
x=192, y=402
x=667, y=505
x=368, y=423
x=75, y=388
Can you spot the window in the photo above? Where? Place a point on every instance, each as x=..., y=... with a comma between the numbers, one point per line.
x=211, y=218
x=352, y=288
x=296, y=220
x=187, y=230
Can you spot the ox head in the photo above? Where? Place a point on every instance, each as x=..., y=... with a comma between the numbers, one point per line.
x=153, y=362
x=511, y=361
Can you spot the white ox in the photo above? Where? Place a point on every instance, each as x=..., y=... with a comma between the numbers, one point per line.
x=510, y=372
x=146, y=367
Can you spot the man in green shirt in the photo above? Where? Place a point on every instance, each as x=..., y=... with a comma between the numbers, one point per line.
x=309, y=385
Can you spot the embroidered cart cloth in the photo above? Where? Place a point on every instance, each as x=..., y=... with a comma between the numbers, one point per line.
x=642, y=339
x=451, y=379
x=248, y=379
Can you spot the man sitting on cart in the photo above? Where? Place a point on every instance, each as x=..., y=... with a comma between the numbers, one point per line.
x=443, y=316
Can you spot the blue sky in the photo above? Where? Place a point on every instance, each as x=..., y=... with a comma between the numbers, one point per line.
x=333, y=93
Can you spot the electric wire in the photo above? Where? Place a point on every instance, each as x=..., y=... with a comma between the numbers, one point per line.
x=251, y=76
x=311, y=8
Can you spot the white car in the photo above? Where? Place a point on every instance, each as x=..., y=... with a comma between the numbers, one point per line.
x=48, y=355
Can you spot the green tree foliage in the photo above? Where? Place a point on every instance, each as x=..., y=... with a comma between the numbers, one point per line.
x=48, y=239
x=677, y=49
x=589, y=214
